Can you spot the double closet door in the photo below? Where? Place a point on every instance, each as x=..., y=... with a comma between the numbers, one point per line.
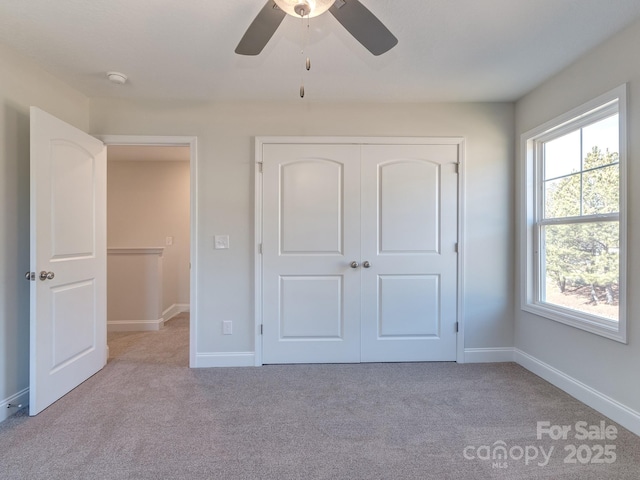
x=359, y=259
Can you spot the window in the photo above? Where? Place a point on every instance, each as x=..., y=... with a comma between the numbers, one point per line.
x=575, y=222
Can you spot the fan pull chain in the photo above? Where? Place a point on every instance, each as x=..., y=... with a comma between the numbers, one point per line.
x=305, y=42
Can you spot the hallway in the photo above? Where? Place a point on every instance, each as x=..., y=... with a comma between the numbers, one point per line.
x=169, y=345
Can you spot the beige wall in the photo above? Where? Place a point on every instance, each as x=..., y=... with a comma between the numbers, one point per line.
x=226, y=194
x=605, y=365
x=134, y=289
x=148, y=201
x=22, y=85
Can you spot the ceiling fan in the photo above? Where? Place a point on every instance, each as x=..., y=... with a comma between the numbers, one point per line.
x=355, y=17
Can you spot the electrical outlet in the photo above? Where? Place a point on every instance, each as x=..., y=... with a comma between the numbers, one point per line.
x=227, y=327
x=169, y=241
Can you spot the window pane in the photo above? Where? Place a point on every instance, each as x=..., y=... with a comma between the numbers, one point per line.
x=581, y=267
x=600, y=142
x=562, y=197
x=601, y=191
x=562, y=156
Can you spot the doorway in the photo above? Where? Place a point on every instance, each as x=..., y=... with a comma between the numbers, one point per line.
x=68, y=247
x=153, y=181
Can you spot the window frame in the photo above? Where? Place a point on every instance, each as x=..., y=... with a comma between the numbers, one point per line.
x=532, y=142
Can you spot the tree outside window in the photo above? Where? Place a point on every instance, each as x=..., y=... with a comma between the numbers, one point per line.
x=582, y=259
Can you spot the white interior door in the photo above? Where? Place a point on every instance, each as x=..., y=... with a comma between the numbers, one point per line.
x=409, y=234
x=311, y=234
x=393, y=210
x=68, y=259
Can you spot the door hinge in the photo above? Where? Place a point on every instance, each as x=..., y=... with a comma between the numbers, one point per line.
x=457, y=167
x=455, y=247
x=261, y=329
x=457, y=327
x=260, y=167
x=260, y=248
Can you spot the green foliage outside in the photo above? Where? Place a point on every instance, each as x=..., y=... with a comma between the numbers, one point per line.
x=584, y=257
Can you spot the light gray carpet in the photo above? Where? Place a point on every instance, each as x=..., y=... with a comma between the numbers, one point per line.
x=148, y=416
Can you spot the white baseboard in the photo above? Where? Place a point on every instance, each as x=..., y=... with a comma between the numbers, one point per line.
x=616, y=411
x=147, y=325
x=134, y=325
x=173, y=310
x=488, y=355
x=228, y=359
x=20, y=398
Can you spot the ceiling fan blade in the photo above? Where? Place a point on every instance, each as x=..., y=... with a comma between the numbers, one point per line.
x=261, y=30
x=364, y=26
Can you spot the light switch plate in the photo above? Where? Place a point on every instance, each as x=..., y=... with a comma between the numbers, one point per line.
x=169, y=241
x=221, y=241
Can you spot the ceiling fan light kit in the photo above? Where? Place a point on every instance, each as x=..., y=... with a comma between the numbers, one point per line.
x=304, y=8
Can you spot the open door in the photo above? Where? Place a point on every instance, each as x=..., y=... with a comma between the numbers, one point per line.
x=68, y=259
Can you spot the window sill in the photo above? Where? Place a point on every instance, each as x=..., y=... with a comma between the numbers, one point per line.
x=590, y=323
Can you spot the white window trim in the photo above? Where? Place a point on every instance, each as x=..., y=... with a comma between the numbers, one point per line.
x=571, y=121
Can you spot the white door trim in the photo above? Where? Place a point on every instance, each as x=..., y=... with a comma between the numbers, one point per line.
x=258, y=212
x=192, y=143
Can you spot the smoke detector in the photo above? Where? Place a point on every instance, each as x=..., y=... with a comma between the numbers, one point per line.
x=117, y=78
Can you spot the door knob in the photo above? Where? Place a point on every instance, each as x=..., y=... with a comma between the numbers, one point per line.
x=46, y=275
x=354, y=264
x=366, y=264
x=30, y=275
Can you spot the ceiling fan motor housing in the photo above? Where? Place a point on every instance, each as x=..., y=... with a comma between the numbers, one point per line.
x=302, y=8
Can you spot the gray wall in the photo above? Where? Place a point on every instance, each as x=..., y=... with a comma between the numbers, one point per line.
x=225, y=184
x=22, y=84
x=605, y=365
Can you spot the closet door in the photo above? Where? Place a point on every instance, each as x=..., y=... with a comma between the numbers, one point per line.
x=409, y=232
x=311, y=235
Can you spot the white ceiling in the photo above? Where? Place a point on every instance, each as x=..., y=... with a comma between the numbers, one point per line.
x=448, y=50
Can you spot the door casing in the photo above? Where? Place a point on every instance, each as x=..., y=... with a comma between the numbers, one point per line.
x=192, y=143
x=258, y=212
